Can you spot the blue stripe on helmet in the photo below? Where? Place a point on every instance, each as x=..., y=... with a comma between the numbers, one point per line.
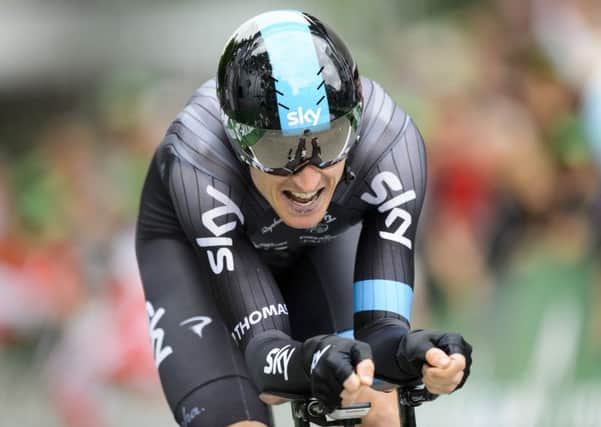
x=295, y=67
x=387, y=295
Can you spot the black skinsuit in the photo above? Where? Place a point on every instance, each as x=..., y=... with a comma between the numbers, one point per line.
x=220, y=268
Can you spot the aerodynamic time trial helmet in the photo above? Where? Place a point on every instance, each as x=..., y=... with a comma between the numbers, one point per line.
x=290, y=93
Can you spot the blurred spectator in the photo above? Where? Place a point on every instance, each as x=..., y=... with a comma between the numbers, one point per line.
x=40, y=282
x=106, y=343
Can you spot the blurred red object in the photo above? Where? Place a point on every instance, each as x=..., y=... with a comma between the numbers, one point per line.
x=105, y=344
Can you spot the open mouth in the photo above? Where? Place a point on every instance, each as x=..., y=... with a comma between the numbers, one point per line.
x=303, y=198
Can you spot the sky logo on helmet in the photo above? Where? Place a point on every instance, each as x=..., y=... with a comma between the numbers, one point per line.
x=297, y=73
x=303, y=117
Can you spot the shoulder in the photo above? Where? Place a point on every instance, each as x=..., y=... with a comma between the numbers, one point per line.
x=194, y=161
x=195, y=143
x=383, y=122
x=389, y=138
x=378, y=105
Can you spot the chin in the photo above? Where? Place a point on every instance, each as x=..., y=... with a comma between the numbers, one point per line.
x=302, y=223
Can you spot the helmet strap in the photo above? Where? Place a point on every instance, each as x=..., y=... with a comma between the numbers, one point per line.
x=349, y=175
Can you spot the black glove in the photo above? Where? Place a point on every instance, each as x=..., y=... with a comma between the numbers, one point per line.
x=411, y=352
x=329, y=361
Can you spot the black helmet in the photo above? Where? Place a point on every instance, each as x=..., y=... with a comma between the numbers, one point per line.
x=285, y=82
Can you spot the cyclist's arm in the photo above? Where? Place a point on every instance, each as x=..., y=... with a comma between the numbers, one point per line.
x=384, y=272
x=393, y=195
x=211, y=222
x=185, y=325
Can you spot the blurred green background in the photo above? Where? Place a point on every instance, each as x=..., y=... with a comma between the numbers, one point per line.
x=507, y=94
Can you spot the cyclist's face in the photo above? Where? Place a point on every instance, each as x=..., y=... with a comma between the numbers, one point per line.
x=300, y=200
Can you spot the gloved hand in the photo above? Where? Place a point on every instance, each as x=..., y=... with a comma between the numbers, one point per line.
x=442, y=359
x=337, y=365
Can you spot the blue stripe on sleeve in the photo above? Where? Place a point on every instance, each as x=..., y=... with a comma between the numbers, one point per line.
x=387, y=295
x=295, y=66
x=347, y=333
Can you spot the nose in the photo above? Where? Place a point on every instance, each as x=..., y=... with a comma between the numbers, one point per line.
x=307, y=179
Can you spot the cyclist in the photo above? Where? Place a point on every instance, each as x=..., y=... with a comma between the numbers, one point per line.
x=279, y=214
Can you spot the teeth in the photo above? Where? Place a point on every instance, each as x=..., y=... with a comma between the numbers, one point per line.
x=303, y=195
x=304, y=198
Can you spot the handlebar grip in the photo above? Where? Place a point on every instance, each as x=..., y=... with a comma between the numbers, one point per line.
x=313, y=410
x=415, y=396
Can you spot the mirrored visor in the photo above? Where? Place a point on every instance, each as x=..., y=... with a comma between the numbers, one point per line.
x=272, y=151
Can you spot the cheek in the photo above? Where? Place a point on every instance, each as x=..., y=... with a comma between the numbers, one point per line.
x=335, y=178
x=267, y=185
x=272, y=189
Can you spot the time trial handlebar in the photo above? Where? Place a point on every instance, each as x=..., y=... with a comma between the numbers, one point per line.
x=312, y=410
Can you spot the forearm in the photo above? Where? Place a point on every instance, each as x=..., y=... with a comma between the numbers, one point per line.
x=276, y=364
x=400, y=354
x=384, y=337
x=319, y=366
